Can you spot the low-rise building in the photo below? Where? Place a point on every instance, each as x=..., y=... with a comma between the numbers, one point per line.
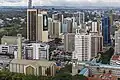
x=96, y=68
x=106, y=76
x=38, y=51
x=115, y=60
x=33, y=67
x=7, y=48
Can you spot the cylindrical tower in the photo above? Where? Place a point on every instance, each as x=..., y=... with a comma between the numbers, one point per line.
x=19, y=41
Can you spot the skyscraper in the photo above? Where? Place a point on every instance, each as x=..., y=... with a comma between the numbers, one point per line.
x=31, y=24
x=81, y=18
x=96, y=44
x=42, y=28
x=117, y=42
x=37, y=25
x=94, y=27
x=56, y=29
x=68, y=21
x=30, y=4
x=69, y=42
x=106, y=30
x=82, y=47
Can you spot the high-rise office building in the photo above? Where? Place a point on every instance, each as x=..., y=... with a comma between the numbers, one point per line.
x=64, y=28
x=68, y=21
x=30, y=4
x=81, y=18
x=106, y=30
x=37, y=25
x=94, y=27
x=69, y=42
x=99, y=25
x=31, y=24
x=117, y=42
x=111, y=17
x=50, y=27
x=56, y=29
x=42, y=29
x=96, y=44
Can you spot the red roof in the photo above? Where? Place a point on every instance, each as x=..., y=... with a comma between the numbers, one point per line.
x=116, y=57
x=106, y=77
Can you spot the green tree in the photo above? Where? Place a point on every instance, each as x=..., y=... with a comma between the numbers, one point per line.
x=58, y=41
x=63, y=76
x=67, y=69
x=79, y=77
x=105, y=57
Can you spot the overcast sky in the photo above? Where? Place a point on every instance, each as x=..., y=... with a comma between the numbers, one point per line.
x=61, y=2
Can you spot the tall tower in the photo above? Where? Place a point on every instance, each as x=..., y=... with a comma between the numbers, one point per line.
x=31, y=24
x=37, y=25
x=106, y=30
x=42, y=26
x=30, y=4
x=19, y=41
x=117, y=42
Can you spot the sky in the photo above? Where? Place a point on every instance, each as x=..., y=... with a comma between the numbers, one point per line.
x=61, y=2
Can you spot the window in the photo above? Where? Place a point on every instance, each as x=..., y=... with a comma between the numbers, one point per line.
x=48, y=71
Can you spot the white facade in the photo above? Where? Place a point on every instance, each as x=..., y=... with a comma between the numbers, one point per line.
x=81, y=18
x=87, y=46
x=29, y=51
x=42, y=24
x=82, y=47
x=94, y=26
x=7, y=48
x=37, y=51
x=117, y=42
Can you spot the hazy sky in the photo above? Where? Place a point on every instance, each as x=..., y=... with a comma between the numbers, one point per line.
x=61, y=2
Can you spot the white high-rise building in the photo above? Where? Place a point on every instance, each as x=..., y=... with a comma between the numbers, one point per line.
x=81, y=18
x=117, y=42
x=94, y=26
x=87, y=46
x=82, y=47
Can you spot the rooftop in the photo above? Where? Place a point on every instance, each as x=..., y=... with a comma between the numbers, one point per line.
x=33, y=62
x=116, y=57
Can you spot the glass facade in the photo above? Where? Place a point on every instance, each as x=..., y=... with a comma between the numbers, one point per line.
x=106, y=30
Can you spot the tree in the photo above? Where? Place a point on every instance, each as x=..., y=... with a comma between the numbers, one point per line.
x=105, y=57
x=67, y=69
x=58, y=41
x=63, y=76
x=79, y=77
x=30, y=77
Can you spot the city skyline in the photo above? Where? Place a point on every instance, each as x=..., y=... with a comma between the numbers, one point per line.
x=115, y=3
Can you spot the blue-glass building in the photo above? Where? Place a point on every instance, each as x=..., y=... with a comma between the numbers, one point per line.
x=106, y=30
